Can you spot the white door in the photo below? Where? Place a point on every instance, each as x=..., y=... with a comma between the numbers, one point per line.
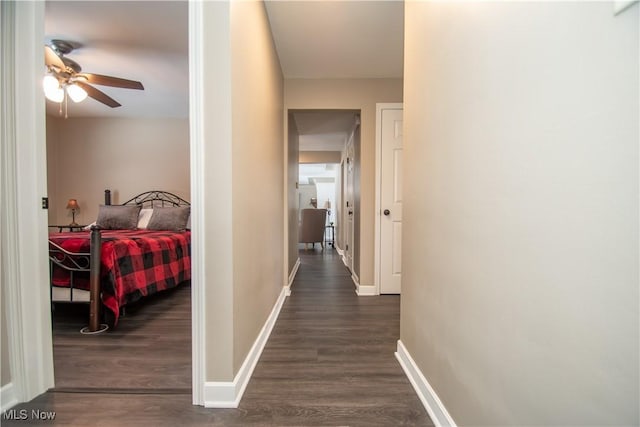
x=348, y=207
x=391, y=202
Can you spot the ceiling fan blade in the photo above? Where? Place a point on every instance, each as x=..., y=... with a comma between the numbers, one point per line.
x=98, y=95
x=98, y=79
x=52, y=58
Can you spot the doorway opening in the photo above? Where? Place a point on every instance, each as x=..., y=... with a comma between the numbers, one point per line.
x=324, y=174
x=317, y=190
x=96, y=148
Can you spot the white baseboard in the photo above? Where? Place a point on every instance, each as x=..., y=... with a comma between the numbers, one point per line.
x=8, y=397
x=355, y=279
x=438, y=413
x=292, y=276
x=365, y=290
x=342, y=256
x=227, y=394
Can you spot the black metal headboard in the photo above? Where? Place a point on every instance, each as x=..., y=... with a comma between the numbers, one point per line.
x=150, y=199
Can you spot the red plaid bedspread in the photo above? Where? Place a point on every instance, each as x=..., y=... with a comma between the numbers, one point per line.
x=134, y=263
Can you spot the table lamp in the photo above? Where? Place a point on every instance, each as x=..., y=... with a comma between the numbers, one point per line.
x=73, y=205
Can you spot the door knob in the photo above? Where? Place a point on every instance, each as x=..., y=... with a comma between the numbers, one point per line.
x=386, y=212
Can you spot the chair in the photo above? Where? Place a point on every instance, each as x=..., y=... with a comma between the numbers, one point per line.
x=312, y=226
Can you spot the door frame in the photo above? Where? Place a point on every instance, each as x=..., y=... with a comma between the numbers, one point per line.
x=380, y=107
x=348, y=221
x=25, y=302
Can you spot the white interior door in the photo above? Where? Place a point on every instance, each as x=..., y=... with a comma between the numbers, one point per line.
x=391, y=202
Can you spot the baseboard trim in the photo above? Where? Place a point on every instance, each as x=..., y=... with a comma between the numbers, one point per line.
x=365, y=290
x=342, y=256
x=354, y=279
x=434, y=406
x=292, y=276
x=8, y=397
x=227, y=394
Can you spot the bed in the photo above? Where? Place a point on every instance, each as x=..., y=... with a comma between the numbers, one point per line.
x=109, y=267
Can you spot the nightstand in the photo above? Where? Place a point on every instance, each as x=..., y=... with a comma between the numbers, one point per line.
x=68, y=227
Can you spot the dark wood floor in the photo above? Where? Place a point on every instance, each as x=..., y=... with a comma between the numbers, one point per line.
x=329, y=361
x=148, y=351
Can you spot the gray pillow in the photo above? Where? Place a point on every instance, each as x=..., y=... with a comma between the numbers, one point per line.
x=118, y=217
x=169, y=219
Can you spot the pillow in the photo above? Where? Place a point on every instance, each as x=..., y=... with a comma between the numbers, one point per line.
x=169, y=219
x=118, y=217
x=144, y=217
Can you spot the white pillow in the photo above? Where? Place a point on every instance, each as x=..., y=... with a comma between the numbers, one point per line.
x=143, y=218
x=88, y=227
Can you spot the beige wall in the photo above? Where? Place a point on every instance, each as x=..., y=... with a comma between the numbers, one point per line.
x=85, y=156
x=319, y=157
x=520, y=257
x=258, y=174
x=352, y=94
x=53, y=132
x=293, y=141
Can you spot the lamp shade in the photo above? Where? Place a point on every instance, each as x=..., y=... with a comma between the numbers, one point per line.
x=52, y=89
x=76, y=93
x=73, y=204
x=50, y=83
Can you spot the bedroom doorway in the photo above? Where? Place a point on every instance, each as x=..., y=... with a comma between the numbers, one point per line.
x=142, y=145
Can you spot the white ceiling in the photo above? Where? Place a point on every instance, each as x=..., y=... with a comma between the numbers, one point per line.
x=148, y=41
x=323, y=142
x=338, y=39
x=324, y=130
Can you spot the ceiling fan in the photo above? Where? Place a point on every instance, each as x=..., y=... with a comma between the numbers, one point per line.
x=64, y=77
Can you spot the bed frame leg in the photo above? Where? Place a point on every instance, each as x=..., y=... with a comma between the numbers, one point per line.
x=94, y=285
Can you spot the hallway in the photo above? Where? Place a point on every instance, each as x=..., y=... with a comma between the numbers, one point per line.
x=329, y=361
x=330, y=358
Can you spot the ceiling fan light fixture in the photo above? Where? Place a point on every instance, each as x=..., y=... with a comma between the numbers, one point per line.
x=50, y=83
x=65, y=80
x=76, y=93
x=52, y=89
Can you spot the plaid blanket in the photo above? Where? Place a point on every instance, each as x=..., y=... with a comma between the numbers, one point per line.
x=134, y=263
